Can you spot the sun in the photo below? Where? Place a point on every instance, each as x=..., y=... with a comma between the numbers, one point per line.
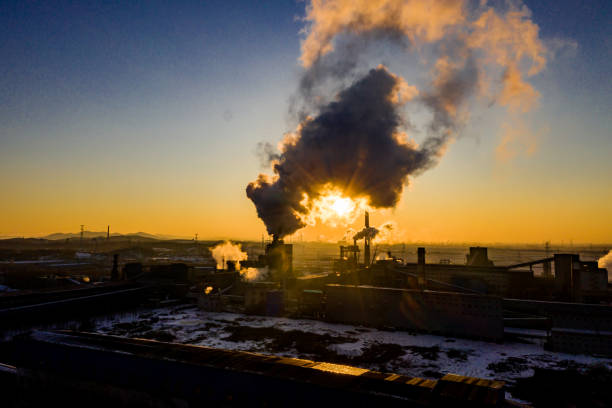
x=342, y=206
x=333, y=208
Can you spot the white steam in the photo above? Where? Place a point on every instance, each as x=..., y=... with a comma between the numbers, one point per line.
x=254, y=274
x=606, y=263
x=228, y=252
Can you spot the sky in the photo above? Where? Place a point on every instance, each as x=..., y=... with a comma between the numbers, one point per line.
x=146, y=116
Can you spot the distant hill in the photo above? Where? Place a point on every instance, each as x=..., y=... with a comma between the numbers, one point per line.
x=102, y=234
x=68, y=235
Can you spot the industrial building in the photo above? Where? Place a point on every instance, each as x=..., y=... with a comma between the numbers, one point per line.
x=566, y=277
x=477, y=299
x=448, y=313
x=567, y=305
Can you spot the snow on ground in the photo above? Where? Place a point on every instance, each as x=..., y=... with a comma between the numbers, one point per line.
x=401, y=352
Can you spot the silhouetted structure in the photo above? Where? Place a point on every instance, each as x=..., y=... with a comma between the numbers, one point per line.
x=461, y=314
x=478, y=257
x=366, y=242
x=578, y=280
x=115, y=270
x=421, y=267
x=349, y=254
x=279, y=259
x=132, y=270
x=175, y=272
x=230, y=266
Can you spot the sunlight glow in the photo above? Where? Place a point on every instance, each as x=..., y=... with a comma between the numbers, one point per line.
x=342, y=206
x=331, y=207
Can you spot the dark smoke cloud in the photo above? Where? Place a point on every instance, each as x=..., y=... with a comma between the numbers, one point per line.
x=329, y=74
x=351, y=144
x=277, y=205
x=372, y=232
x=369, y=232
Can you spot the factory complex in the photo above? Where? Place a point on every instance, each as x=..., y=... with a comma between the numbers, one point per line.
x=559, y=301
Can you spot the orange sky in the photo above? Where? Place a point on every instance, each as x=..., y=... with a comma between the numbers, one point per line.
x=466, y=202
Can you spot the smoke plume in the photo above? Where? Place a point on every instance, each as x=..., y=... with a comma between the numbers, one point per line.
x=254, y=274
x=227, y=251
x=356, y=140
x=381, y=234
x=606, y=263
x=366, y=232
x=388, y=233
x=354, y=143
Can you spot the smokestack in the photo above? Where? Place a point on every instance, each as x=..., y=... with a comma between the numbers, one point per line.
x=279, y=259
x=107, y=232
x=421, y=268
x=366, y=242
x=421, y=256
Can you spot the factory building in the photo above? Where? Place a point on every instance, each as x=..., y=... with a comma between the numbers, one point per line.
x=572, y=279
x=468, y=300
x=577, y=280
x=574, y=327
x=565, y=277
x=460, y=314
x=479, y=275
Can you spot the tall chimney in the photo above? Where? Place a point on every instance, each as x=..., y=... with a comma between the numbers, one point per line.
x=366, y=244
x=421, y=256
x=107, y=232
x=421, y=268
